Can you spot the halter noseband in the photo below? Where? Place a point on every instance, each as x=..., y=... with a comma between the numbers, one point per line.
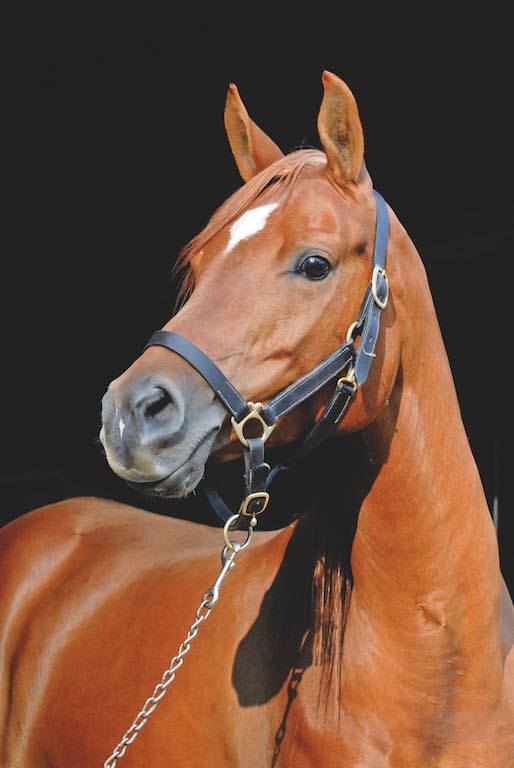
x=354, y=361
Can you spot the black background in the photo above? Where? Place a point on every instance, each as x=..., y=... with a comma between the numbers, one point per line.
x=117, y=156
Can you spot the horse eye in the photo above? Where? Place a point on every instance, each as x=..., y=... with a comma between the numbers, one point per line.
x=315, y=267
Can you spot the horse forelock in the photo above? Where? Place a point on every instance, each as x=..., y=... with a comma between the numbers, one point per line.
x=276, y=181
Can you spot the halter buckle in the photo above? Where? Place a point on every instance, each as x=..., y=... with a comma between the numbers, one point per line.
x=255, y=409
x=261, y=496
x=379, y=274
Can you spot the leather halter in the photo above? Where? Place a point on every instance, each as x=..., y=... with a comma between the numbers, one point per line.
x=354, y=361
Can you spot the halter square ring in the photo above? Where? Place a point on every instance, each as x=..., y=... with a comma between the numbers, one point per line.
x=255, y=409
x=248, y=508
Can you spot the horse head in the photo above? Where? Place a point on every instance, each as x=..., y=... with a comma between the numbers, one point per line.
x=274, y=283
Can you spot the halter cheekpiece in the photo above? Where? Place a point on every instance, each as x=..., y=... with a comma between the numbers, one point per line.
x=350, y=362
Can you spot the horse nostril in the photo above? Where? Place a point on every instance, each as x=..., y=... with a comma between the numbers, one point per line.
x=155, y=410
x=157, y=403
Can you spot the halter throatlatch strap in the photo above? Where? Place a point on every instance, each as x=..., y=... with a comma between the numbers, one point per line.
x=351, y=360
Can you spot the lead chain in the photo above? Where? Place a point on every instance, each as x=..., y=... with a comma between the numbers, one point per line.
x=209, y=600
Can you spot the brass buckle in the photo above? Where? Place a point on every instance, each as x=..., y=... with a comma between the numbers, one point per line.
x=382, y=303
x=258, y=495
x=255, y=409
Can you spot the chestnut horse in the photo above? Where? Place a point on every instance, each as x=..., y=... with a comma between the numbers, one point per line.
x=372, y=627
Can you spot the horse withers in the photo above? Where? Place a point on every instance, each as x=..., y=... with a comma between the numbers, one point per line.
x=373, y=628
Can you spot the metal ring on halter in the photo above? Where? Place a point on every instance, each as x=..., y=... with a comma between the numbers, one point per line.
x=235, y=545
x=349, y=378
x=379, y=272
x=351, y=329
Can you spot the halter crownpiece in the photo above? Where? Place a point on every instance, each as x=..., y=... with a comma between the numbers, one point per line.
x=351, y=361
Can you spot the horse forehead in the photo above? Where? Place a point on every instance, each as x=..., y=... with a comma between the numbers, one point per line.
x=248, y=224
x=313, y=206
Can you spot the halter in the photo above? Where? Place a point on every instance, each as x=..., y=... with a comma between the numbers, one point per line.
x=351, y=361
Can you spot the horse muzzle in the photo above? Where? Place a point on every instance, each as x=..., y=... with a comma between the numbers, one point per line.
x=153, y=435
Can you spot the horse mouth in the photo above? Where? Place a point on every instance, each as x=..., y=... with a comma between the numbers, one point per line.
x=184, y=478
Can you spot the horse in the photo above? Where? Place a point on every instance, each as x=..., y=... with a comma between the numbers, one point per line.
x=371, y=625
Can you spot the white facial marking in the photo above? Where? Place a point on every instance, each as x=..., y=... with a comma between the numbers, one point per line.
x=121, y=425
x=248, y=224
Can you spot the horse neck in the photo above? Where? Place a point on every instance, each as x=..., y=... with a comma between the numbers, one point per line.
x=425, y=537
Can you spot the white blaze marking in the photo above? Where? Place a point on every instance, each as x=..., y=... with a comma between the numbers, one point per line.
x=121, y=425
x=248, y=224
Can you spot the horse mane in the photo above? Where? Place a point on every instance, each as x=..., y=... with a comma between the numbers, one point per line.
x=276, y=180
x=331, y=523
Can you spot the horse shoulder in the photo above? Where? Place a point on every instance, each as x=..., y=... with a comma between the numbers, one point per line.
x=67, y=566
x=96, y=597
x=54, y=542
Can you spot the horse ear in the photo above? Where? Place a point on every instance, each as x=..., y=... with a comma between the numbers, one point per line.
x=253, y=150
x=340, y=131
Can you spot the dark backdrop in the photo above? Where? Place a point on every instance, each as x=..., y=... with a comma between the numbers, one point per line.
x=118, y=156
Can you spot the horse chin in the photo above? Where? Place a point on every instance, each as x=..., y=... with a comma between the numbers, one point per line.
x=175, y=486
x=182, y=480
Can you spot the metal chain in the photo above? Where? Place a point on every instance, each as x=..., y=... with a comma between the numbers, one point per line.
x=209, y=599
